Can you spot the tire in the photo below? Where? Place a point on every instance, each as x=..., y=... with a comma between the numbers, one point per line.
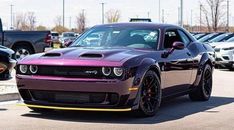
x=203, y=91
x=22, y=51
x=150, y=95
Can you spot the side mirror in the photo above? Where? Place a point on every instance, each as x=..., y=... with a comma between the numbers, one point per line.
x=178, y=46
x=175, y=46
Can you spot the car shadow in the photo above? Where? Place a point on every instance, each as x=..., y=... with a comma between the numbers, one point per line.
x=3, y=109
x=170, y=110
x=226, y=70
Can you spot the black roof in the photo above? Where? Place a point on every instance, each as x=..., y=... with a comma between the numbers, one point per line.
x=138, y=24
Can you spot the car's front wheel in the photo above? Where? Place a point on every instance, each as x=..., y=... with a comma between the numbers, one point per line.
x=203, y=90
x=150, y=95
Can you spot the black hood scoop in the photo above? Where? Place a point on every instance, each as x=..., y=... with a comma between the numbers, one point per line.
x=91, y=55
x=52, y=55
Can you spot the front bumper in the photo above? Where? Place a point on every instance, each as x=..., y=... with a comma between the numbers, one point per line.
x=225, y=58
x=7, y=74
x=77, y=94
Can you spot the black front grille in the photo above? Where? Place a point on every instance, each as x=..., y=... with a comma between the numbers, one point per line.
x=218, y=59
x=226, y=57
x=69, y=71
x=217, y=49
x=78, y=98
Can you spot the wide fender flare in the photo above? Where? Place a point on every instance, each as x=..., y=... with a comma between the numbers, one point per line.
x=205, y=58
x=146, y=65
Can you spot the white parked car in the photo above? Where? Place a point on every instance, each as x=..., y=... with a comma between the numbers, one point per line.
x=225, y=55
x=67, y=36
x=54, y=37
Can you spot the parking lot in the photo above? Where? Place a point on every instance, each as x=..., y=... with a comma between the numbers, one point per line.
x=178, y=114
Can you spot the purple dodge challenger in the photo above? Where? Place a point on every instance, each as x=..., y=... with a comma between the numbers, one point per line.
x=118, y=67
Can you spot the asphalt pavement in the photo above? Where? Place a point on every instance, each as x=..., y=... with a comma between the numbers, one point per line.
x=176, y=114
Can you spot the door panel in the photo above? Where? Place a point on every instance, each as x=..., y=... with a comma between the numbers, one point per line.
x=177, y=68
x=176, y=71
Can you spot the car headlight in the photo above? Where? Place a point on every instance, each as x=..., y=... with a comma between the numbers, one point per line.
x=33, y=69
x=23, y=69
x=106, y=71
x=3, y=67
x=118, y=71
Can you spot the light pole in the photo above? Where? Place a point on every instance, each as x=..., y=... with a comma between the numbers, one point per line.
x=11, y=16
x=103, y=8
x=200, y=17
x=159, y=10
x=70, y=18
x=63, y=13
x=191, y=20
x=181, y=13
x=227, y=26
x=163, y=20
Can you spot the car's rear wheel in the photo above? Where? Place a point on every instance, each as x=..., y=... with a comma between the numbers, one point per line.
x=150, y=95
x=22, y=51
x=204, y=89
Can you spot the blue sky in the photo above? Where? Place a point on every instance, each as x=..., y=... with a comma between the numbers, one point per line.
x=47, y=10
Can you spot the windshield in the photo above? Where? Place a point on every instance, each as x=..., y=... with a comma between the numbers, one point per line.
x=198, y=35
x=68, y=34
x=219, y=38
x=230, y=39
x=207, y=37
x=132, y=37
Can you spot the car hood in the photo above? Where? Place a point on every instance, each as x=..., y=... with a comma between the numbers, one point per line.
x=214, y=44
x=225, y=45
x=6, y=50
x=84, y=56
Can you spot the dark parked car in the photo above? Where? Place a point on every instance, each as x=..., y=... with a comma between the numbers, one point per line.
x=6, y=63
x=222, y=37
x=25, y=42
x=201, y=35
x=209, y=37
x=132, y=67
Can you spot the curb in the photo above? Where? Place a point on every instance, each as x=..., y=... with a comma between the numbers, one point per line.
x=9, y=97
x=8, y=92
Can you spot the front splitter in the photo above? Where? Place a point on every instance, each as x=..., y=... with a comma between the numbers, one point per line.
x=75, y=108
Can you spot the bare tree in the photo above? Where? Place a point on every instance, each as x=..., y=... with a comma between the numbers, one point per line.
x=25, y=21
x=213, y=13
x=81, y=22
x=41, y=28
x=58, y=20
x=21, y=22
x=31, y=20
x=113, y=16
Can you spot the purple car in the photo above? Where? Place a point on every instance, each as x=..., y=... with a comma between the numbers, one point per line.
x=127, y=67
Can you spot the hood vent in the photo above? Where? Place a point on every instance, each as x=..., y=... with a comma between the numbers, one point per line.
x=52, y=55
x=91, y=56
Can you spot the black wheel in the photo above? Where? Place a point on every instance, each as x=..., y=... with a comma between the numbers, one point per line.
x=150, y=98
x=204, y=89
x=22, y=51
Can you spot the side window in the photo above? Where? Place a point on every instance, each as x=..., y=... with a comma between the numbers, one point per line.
x=171, y=36
x=184, y=38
